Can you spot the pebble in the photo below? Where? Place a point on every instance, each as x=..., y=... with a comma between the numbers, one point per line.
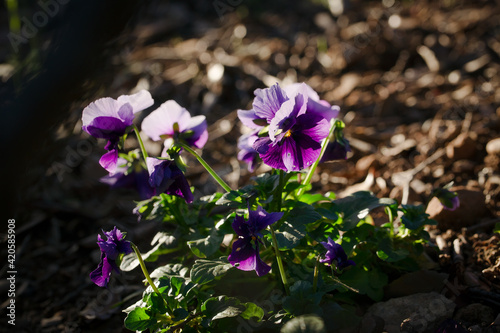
x=420, y=312
x=472, y=208
x=476, y=313
x=493, y=147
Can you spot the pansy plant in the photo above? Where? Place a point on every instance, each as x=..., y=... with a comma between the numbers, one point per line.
x=272, y=226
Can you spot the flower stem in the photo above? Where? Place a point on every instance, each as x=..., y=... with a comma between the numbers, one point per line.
x=141, y=144
x=280, y=262
x=316, y=274
x=310, y=173
x=207, y=167
x=148, y=277
x=391, y=219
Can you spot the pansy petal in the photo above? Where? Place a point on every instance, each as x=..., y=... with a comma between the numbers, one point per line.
x=243, y=254
x=180, y=186
x=126, y=113
x=103, y=107
x=272, y=156
x=109, y=161
x=139, y=101
x=323, y=109
x=295, y=88
x=284, y=119
x=106, y=128
x=289, y=155
x=260, y=219
x=268, y=101
x=198, y=125
x=161, y=121
x=261, y=268
x=240, y=226
x=248, y=118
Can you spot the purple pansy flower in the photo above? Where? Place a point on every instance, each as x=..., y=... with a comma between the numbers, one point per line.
x=245, y=254
x=294, y=141
x=134, y=177
x=298, y=121
x=314, y=104
x=166, y=177
x=448, y=199
x=336, y=151
x=247, y=153
x=171, y=120
x=338, y=148
x=113, y=246
x=109, y=118
x=335, y=254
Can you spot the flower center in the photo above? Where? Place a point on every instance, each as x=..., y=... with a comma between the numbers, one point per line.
x=288, y=133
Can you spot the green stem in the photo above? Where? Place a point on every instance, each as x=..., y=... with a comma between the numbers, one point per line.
x=391, y=219
x=148, y=277
x=316, y=274
x=207, y=167
x=310, y=173
x=280, y=262
x=14, y=22
x=141, y=144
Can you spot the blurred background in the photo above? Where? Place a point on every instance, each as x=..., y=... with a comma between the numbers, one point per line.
x=417, y=82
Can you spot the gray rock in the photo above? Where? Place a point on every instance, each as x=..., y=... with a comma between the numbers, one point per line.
x=420, y=312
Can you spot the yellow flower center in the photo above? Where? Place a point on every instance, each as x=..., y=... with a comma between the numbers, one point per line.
x=288, y=133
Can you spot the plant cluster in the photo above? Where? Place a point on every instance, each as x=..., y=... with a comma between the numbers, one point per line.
x=270, y=255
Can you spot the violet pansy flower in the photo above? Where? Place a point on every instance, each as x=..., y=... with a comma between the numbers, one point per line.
x=314, y=104
x=111, y=248
x=294, y=141
x=338, y=148
x=247, y=153
x=166, y=177
x=335, y=255
x=109, y=118
x=171, y=120
x=297, y=123
x=245, y=254
x=448, y=199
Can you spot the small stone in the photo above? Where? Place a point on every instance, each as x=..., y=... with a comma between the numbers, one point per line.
x=420, y=312
x=463, y=147
x=476, y=313
x=472, y=208
x=493, y=147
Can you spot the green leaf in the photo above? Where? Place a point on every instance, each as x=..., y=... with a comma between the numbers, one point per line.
x=357, y=206
x=207, y=246
x=497, y=228
x=267, y=183
x=170, y=270
x=302, y=299
x=139, y=320
x=294, y=228
x=130, y=261
x=387, y=252
x=304, y=324
x=312, y=198
x=222, y=307
x=371, y=282
x=252, y=311
x=204, y=271
x=415, y=217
